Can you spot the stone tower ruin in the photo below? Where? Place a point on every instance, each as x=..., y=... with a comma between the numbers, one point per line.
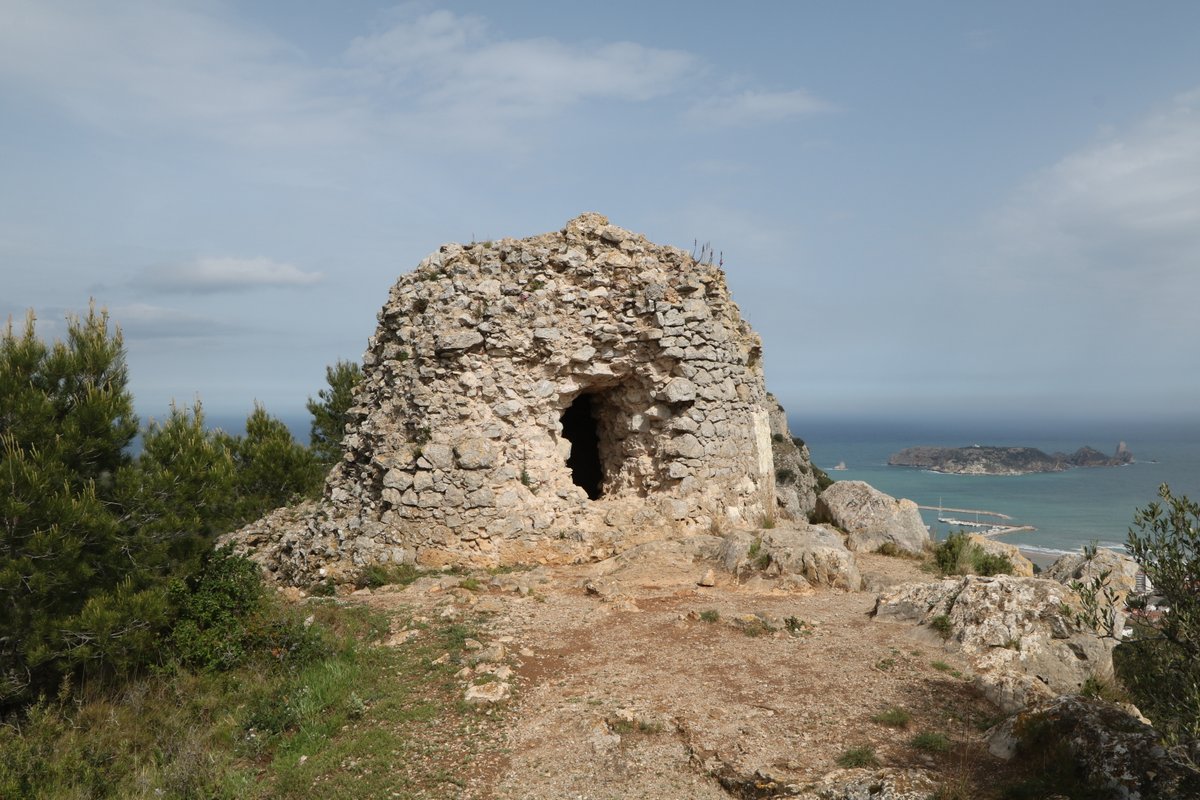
x=550, y=399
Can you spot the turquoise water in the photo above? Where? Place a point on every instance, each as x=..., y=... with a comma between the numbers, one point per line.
x=1069, y=509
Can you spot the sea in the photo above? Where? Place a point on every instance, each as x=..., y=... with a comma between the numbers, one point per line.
x=1068, y=509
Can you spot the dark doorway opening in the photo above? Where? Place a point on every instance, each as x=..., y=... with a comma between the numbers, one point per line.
x=579, y=428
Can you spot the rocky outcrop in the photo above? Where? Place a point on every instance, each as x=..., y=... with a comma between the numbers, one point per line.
x=1021, y=634
x=552, y=399
x=812, y=552
x=872, y=519
x=889, y=783
x=1121, y=570
x=795, y=478
x=984, y=460
x=1094, y=744
x=1022, y=566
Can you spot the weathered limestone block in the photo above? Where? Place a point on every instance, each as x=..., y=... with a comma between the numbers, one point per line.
x=1022, y=566
x=679, y=390
x=475, y=453
x=1008, y=626
x=810, y=551
x=458, y=340
x=871, y=518
x=1122, y=570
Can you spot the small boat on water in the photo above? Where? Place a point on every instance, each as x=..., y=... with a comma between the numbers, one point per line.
x=840, y=466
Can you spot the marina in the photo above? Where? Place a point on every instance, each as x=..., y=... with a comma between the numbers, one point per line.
x=990, y=528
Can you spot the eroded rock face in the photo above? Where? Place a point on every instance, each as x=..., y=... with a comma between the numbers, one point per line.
x=1105, y=748
x=871, y=518
x=1020, y=633
x=552, y=399
x=795, y=482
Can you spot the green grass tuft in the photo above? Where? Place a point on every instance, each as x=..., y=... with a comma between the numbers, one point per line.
x=931, y=742
x=893, y=717
x=858, y=757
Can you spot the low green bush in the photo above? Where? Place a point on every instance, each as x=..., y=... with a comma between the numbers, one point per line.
x=958, y=555
x=214, y=605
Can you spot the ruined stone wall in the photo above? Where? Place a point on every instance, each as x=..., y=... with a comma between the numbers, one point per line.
x=457, y=450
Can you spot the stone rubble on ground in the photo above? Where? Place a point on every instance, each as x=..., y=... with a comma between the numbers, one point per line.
x=891, y=783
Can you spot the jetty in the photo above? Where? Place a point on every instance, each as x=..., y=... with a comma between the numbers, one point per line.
x=975, y=511
x=1001, y=530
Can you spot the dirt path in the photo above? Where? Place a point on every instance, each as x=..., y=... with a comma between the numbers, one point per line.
x=640, y=683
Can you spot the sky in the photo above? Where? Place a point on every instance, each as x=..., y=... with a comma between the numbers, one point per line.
x=926, y=209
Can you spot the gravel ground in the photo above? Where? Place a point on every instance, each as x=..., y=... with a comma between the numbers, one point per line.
x=627, y=684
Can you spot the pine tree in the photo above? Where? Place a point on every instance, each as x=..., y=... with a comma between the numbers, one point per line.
x=332, y=411
x=66, y=418
x=180, y=494
x=272, y=469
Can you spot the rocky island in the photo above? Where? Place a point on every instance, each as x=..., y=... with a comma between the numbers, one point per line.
x=984, y=460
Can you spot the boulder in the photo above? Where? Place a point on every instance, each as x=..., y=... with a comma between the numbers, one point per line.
x=872, y=519
x=1022, y=566
x=1085, y=568
x=1105, y=748
x=813, y=552
x=1017, y=632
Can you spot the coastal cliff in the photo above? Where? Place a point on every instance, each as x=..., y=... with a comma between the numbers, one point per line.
x=984, y=460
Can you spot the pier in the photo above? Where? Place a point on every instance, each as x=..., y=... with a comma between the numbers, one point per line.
x=1001, y=530
x=976, y=511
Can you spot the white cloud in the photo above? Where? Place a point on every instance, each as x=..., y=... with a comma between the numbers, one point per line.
x=209, y=275
x=753, y=107
x=450, y=63
x=1119, y=219
x=141, y=67
x=138, y=66
x=1087, y=275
